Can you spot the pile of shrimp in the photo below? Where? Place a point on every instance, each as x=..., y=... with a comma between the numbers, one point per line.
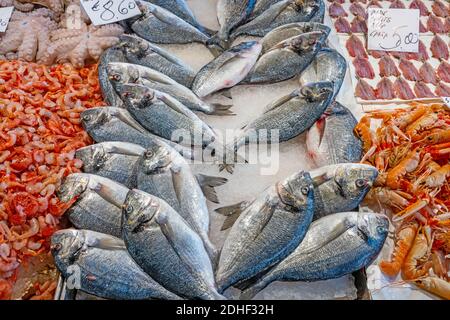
x=411, y=149
x=39, y=133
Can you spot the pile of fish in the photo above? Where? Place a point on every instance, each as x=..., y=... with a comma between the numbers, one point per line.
x=142, y=215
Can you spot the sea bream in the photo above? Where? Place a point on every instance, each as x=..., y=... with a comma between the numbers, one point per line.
x=166, y=248
x=97, y=202
x=334, y=246
x=120, y=73
x=336, y=124
x=268, y=229
x=112, y=54
x=105, y=268
x=139, y=51
x=227, y=70
x=261, y=6
x=159, y=25
x=287, y=59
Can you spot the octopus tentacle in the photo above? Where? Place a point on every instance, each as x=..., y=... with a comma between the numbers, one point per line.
x=28, y=48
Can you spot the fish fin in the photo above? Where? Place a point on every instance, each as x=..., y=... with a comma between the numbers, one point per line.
x=320, y=179
x=176, y=183
x=228, y=167
x=275, y=104
x=105, y=192
x=225, y=93
x=267, y=213
x=174, y=105
x=207, y=183
x=125, y=151
x=242, y=285
x=217, y=45
x=110, y=244
x=232, y=213
x=129, y=120
x=220, y=109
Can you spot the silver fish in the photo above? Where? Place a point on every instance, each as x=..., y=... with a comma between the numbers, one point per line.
x=165, y=174
x=261, y=6
x=98, y=202
x=120, y=73
x=116, y=124
x=341, y=187
x=328, y=65
x=336, y=124
x=227, y=70
x=287, y=59
x=116, y=160
x=290, y=30
x=113, y=54
x=334, y=246
x=140, y=51
x=280, y=13
x=159, y=25
x=103, y=266
x=269, y=228
x=164, y=116
x=164, y=245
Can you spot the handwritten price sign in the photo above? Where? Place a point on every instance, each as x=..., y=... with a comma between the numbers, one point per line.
x=109, y=11
x=393, y=29
x=5, y=15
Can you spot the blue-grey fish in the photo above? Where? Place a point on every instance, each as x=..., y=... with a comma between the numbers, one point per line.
x=98, y=202
x=116, y=124
x=140, y=51
x=336, y=124
x=112, y=54
x=166, y=248
x=227, y=70
x=261, y=6
x=280, y=13
x=287, y=59
x=267, y=230
x=159, y=25
x=328, y=65
x=120, y=73
x=103, y=267
x=334, y=246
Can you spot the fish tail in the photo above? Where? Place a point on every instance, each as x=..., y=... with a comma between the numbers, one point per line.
x=252, y=291
x=219, y=109
x=218, y=43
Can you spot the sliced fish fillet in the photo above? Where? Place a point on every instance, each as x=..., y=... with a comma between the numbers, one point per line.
x=385, y=89
x=402, y=89
x=387, y=67
x=363, y=68
x=365, y=91
x=443, y=71
x=422, y=91
x=355, y=47
x=428, y=74
x=439, y=48
x=409, y=70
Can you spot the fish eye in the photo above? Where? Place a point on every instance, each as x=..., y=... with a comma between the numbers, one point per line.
x=381, y=230
x=148, y=154
x=304, y=190
x=117, y=77
x=360, y=183
x=87, y=117
x=129, y=209
x=57, y=247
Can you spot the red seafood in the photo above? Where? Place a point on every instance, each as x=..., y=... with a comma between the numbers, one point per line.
x=418, y=4
x=363, y=68
x=440, y=9
x=399, y=54
x=385, y=89
x=422, y=55
x=443, y=71
x=442, y=90
x=342, y=25
x=409, y=70
x=362, y=1
x=447, y=25
x=439, y=48
x=358, y=10
x=359, y=25
x=377, y=54
x=428, y=74
x=336, y=10
x=355, y=47
x=435, y=24
x=422, y=28
x=374, y=4
x=422, y=91
x=402, y=89
x=387, y=67
x=397, y=4
x=365, y=91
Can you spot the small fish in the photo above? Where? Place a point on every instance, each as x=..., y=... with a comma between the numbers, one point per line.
x=98, y=202
x=140, y=51
x=112, y=54
x=336, y=124
x=281, y=13
x=116, y=124
x=159, y=25
x=287, y=59
x=268, y=230
x=334, y=246
x=328, y=65
x=227, y=70
x=166, y=248
x=290, y=30
x=105, y=268
x=120, y=73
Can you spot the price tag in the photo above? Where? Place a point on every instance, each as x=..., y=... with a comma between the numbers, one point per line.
x=109, y=11
x=393, y=29
x=446, y=101
x=5, y=15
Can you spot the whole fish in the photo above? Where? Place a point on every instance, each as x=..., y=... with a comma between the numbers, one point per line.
x=166, y=248
x=159, y=25
x=334, y=246
x=261, y=6
x=166, y=175
x=267, y=231
x=231, y=14
x=98, y=202
x=328, y=65
x=104, y=267
x=337, y=188
x=116, y=124
x=120, y=73
x=115, y=160
x=320, y=12
x=280, y=13
x=227, y=70
x=163, y=115
x=140, y=51
x=112, y=54
x=341, y=187
x=287, y=59
x=290, y=30
x=336, y=124
x=181, y=9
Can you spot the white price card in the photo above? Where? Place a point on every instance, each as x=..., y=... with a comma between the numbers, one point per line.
x=393, y=29
x=446, y=101
x=109, y=11
x=5, y=15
